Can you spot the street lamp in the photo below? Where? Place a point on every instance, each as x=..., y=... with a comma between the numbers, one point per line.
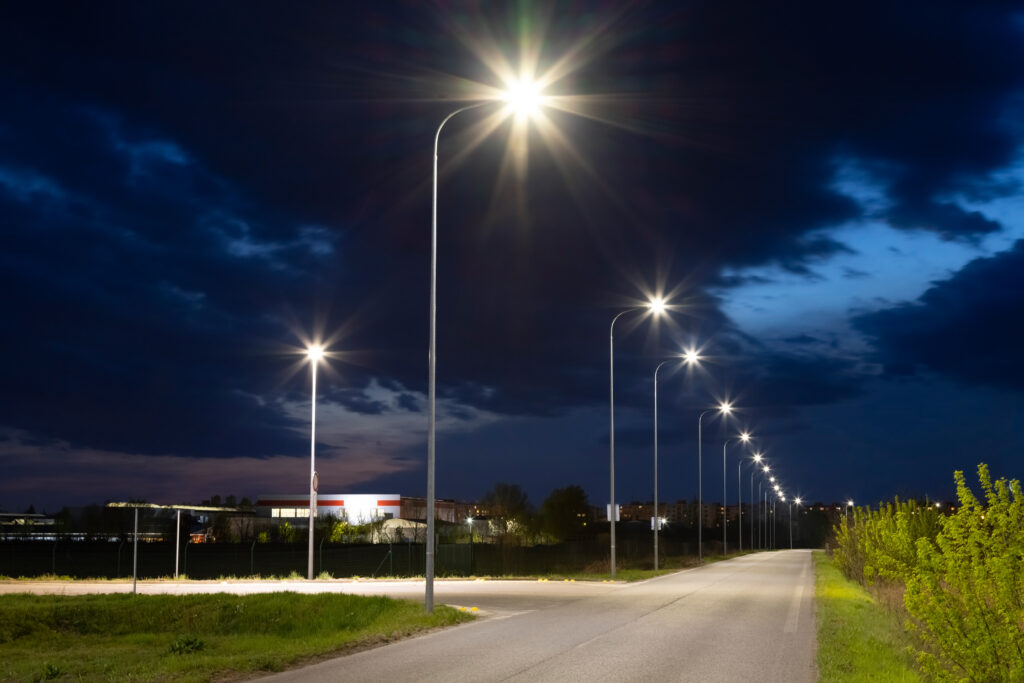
x=762, y=508
x=849, y=507
x=797, y=501
x=315, y=353
x=745, y=438
x=739, y=495
x=724, y=408
x=655, y=306
x=690, y=357
x=521, y=98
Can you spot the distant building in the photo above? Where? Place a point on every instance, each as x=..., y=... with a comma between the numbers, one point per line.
x=357, y=508
x=26, y=525
x=362, y=508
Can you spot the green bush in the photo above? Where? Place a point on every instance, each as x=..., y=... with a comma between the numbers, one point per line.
x=966, y=595
x=961, y=575
x=883, y=543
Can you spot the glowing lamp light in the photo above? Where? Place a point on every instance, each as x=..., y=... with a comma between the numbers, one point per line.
x=745, y=437
x=767, y=469
x=691, y=356
x=797, y=501
x=657, y=305
x=849, y=503
x=524, y=98
x=725, y=408
x=315, y=352
x=757, y=457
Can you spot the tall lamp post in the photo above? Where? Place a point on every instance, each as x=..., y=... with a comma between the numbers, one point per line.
x=739, y=488
x=315, y=353
x=797, y=501
x=656, y=306
x=690, y=357
x=523, y=98
x=724, y=408
x=745, y=438
x=849, y=507
x=774, y=522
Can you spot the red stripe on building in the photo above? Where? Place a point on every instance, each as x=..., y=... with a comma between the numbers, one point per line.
x=389, y=503
x=300, y=503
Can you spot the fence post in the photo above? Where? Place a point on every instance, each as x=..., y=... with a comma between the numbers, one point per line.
x=135, y=552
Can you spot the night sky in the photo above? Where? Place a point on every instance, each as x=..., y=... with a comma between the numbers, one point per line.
x=828, y=195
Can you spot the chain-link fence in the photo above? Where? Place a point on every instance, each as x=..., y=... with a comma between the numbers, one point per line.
x=113, y=559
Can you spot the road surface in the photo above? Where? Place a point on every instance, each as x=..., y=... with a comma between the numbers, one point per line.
x=746, y=619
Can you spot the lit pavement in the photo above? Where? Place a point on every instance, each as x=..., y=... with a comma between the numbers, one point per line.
x=750, y=618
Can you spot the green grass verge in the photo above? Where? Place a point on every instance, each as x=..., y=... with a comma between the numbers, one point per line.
x=193, y=637
x=858, y=639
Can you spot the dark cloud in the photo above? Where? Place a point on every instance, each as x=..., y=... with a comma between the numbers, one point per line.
x=966, y=328
x=183, y=195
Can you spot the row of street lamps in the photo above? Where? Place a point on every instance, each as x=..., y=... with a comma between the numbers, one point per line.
x=522, y=98
x=691, y=357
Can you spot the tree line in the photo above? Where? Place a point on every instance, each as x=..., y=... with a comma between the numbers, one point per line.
x=960, y=576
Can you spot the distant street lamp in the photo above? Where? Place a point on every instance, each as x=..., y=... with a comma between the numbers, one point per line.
x=739, y=487
x=315, y=353
x=724, y=408
x=797, y=501
x=762, y=509
x=849, y=507
x=655, y=306
x=523, y=98
x=690, y=357
x=745, y=438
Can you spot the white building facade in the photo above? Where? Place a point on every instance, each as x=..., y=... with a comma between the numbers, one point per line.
x=357, y=508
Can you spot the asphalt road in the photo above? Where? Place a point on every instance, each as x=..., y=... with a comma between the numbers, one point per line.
x=746, y=619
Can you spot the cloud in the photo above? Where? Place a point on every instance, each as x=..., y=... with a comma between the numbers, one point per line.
x=967, y=327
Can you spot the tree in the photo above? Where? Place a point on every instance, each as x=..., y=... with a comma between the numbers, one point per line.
x=508, y=508
x=564, y=513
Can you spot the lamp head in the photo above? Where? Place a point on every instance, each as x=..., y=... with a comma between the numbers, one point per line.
x=315, y=352
x=523, y=97
x=849, y=503
x=745, y=437
x=771, y=479
x=782, y=497
x=656, y=305
x=691, y=357
x=766, y=469
x=469, y=520
x=757, y=457
x=797, y=501
x=725, y=408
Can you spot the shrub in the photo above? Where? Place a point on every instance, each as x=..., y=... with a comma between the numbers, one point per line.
x=966, y=596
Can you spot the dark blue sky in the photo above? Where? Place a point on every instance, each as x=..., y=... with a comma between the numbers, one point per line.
x=828, y=193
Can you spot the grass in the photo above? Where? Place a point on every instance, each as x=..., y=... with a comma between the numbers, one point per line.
x=858, y=639
x=193, y=637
